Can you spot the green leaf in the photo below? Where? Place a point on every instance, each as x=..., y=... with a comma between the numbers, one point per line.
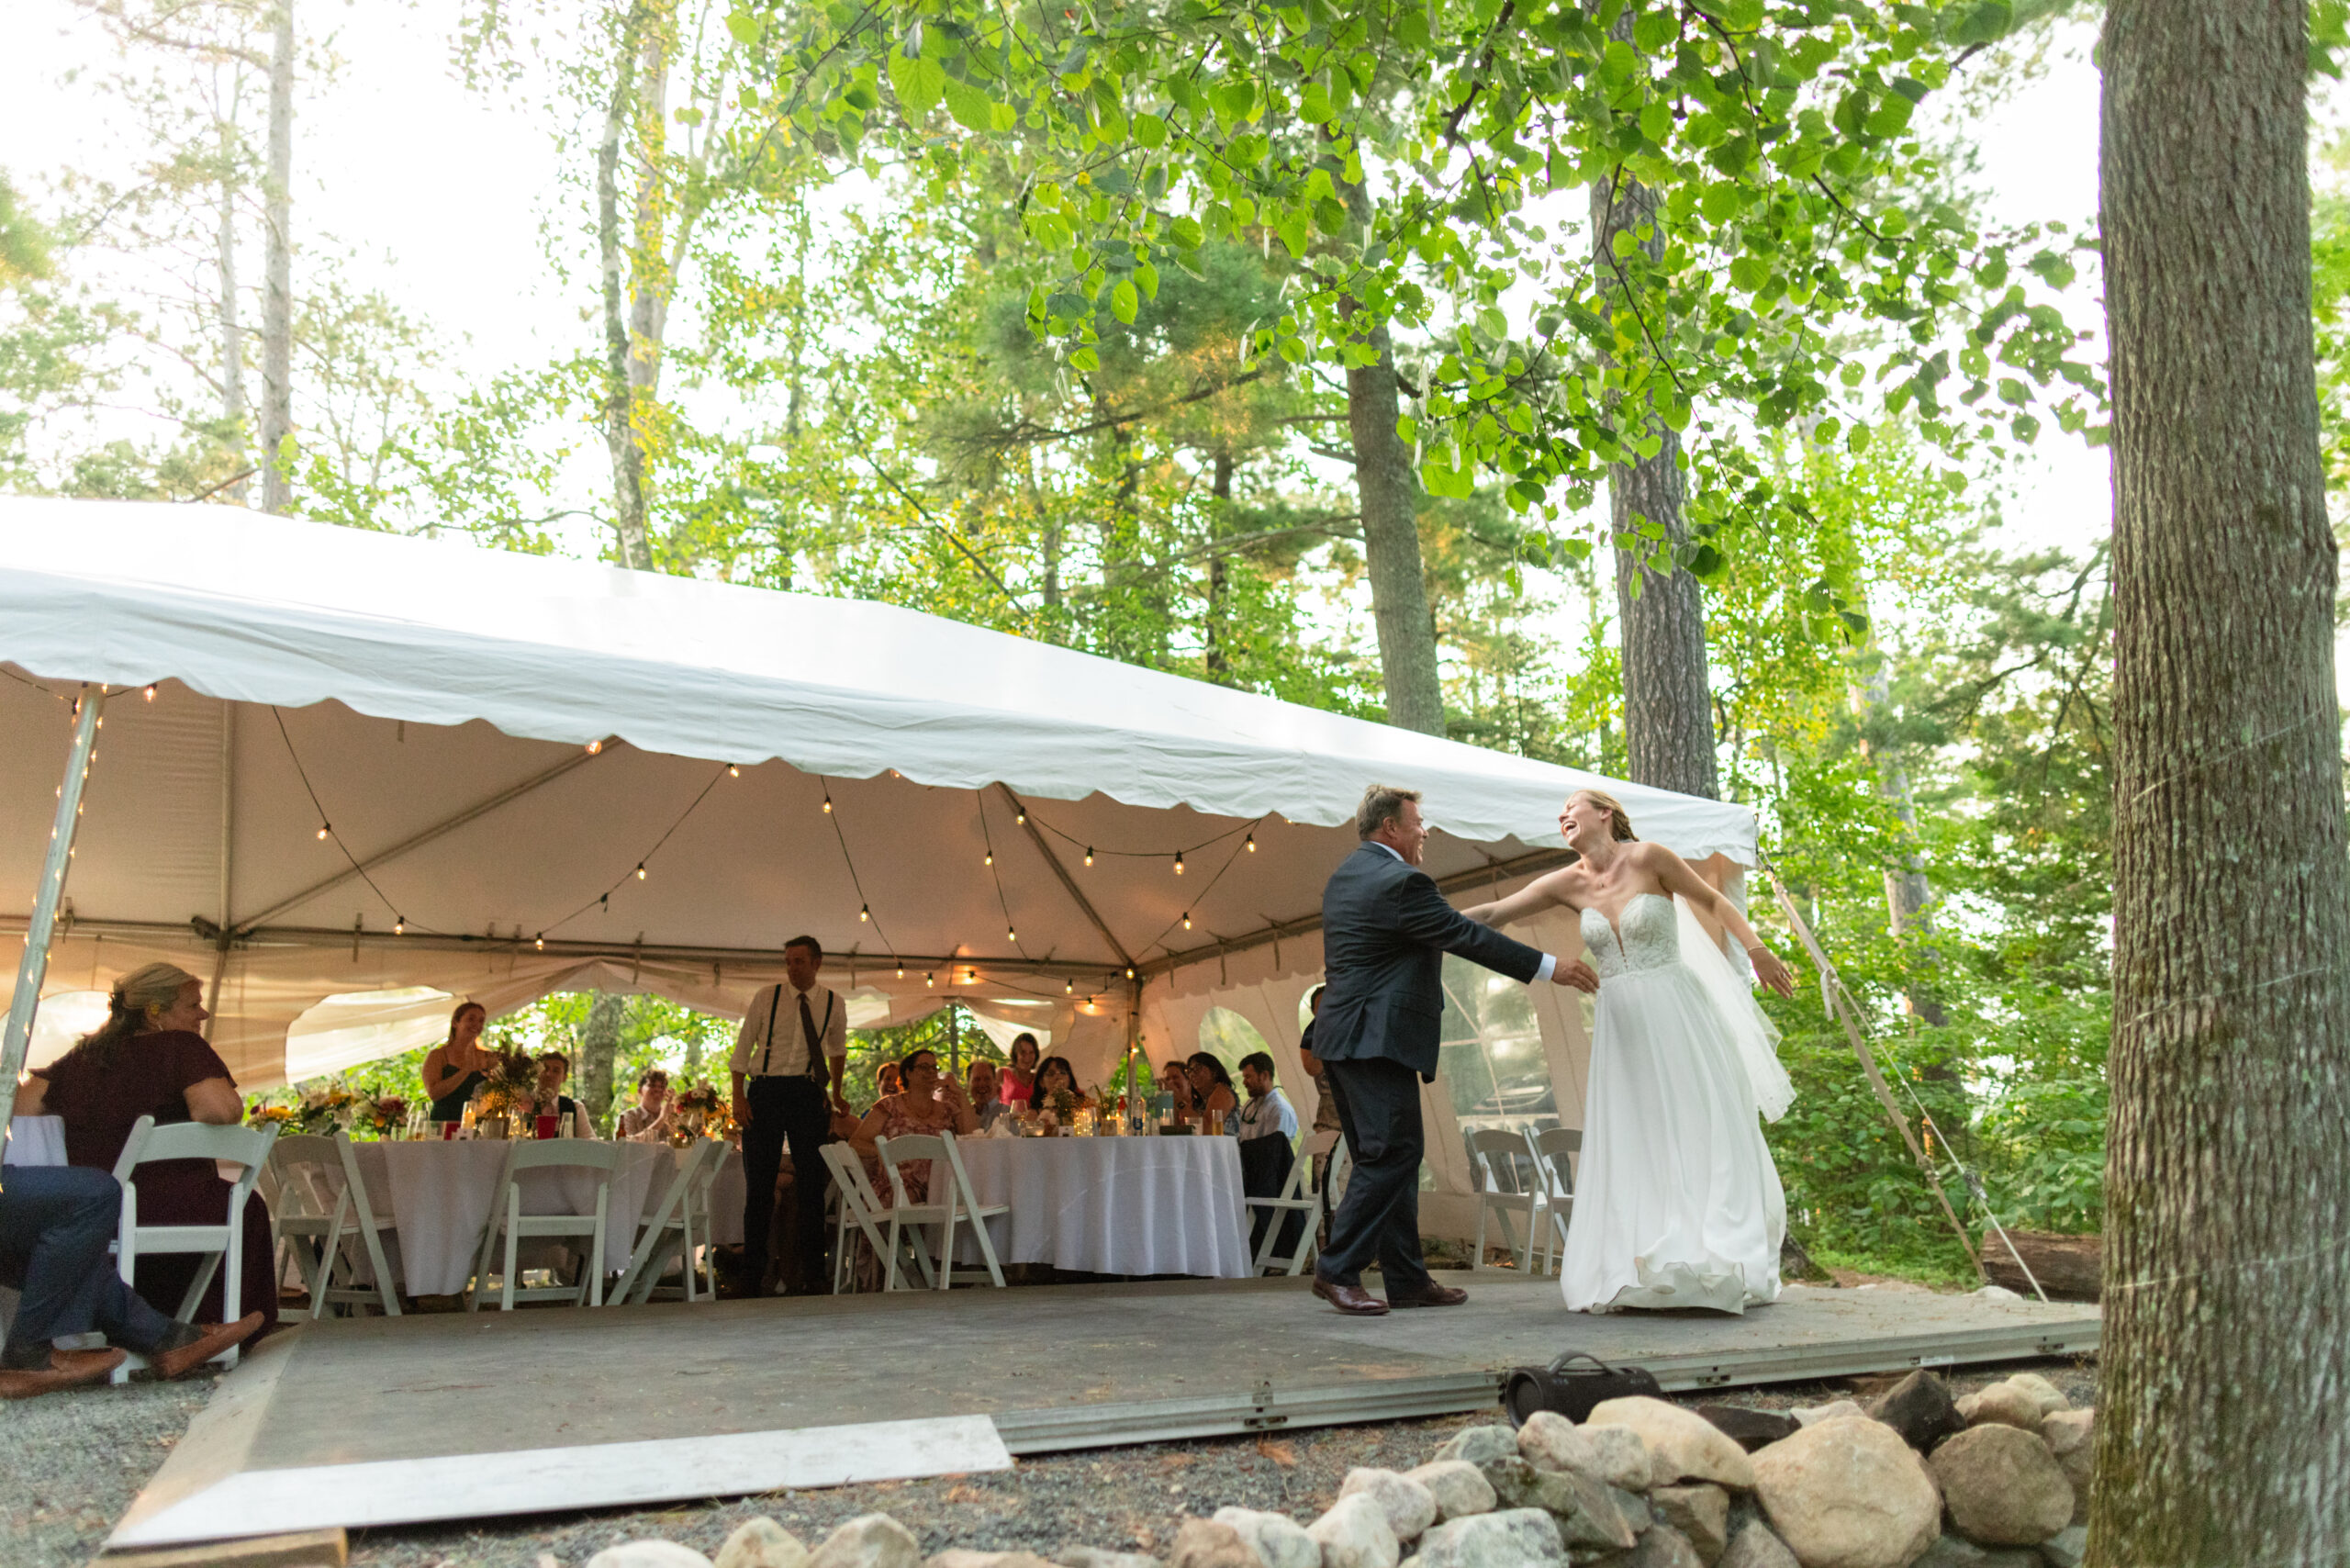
x=1985, y=22
x=1151, y=131
x=1085, y=359
x=1656, y=122
x=1443, y=479
x=1293, y=232
x=747, y=30
x=972, y=109
x=1654, y=30
x=1186, y=233
x=1749, y=273
x=1124, y=300
x=1234, y=100
x=1146, y=279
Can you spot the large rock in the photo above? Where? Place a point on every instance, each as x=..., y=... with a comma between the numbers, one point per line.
x=2069, y=1434
x=868, y=1541
x=1515, y=1538
x=963, y=1557
x=2044, y=1394
x=1355, y=1534
x=1848, y=1493
x=2001, y=1405
x=762, y=1543
x=1587, y=1516
x=1660, y=1546
x=1834, y=1410
x=1920, y=1407
x=2003, y=1486
x=1410, y=1507
x=1752, y=1545
x=1277, y=1541
x=1699, y=1512
x=1095, y=1557
x=1751, y=1429
x=1614, y=1455
x=648, y=1555
x=1480, y=1445
x=1957, y=1551
x=1683, y=1445
x=1459, y=1487
x=1205, y=1544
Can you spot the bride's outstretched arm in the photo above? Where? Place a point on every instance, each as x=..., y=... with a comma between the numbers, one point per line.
x=1681, y=880
x=1537, y=895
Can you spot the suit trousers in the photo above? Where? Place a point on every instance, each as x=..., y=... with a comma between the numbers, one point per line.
x=785, y=1111
x=1379, y=1217
x=55, y=1222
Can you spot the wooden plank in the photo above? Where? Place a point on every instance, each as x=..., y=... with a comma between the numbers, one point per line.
x=303, y=1548
x=2066, y=1266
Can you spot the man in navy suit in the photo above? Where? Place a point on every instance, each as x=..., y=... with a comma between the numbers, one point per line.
x=1385, y=930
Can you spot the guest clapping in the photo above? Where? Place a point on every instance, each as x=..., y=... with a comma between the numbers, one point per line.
x=458, y=1066
x=649, y=1120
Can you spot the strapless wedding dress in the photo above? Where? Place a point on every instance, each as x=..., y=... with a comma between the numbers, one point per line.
x=1677, y=1204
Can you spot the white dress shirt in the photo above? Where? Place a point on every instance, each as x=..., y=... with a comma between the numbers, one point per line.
x=786, y=1055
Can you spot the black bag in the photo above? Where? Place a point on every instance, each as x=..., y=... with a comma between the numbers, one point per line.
x=1573, y=1391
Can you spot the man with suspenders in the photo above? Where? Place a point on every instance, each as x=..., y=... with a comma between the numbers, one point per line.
x=794, y=1043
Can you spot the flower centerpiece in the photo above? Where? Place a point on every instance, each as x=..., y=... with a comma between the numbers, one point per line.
x=509, y=1085
x=700, y=1108
x=325, y=1109
x=278, y=1116
x=1060, y=1111
x=384, y=1116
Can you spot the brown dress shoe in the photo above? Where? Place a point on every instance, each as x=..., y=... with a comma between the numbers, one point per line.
x=1429, y=1295
x=1352, y=1300
x=187, y=1358
x=67, y=1368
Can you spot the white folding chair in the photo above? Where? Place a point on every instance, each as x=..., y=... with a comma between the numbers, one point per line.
x=860, y=1205
x=508, y=1219
x=679, y=1224
x=325, y=1220
x=1298, y=1195
x=245, y=1146
x=1496, y=1152
x=1554, y=1150
x=958, y=1205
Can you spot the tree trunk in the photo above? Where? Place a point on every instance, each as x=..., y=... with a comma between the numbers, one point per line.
x=2220, y=1437
x=1389, y=489
x=234, y=413
x=1219, y=662
x=1668, y=706
x=600, y=1046
x=620, y=438
x=277, y=282
x=1908, y=894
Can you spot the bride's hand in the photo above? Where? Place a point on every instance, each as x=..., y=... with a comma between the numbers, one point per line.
x=1771, y=972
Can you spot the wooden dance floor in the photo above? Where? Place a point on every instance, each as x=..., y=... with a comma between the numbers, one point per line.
x=376, y=1421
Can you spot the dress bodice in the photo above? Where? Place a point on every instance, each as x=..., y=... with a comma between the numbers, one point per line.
x=1647, y=935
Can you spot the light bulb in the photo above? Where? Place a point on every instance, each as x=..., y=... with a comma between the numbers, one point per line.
x=150, y=694
x=1009, y=934
x=1179, y=862
x=926, y=979
x=541, y=943
x=399, y=927
x=902, y=971
x=864, y=912
x=734, y=770
x=640, y=870
x=324, y=829
x=828, y=803
x=1130, y=973
x=1020, y=817
x=990, y=859
x=1089, y=854
x=1249, y=844
x=595, y=747
x=1187, y=920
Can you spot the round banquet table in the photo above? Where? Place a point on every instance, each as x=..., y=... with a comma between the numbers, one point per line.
x=439, y=1195
x=1113, y=1206
x=36, y=1140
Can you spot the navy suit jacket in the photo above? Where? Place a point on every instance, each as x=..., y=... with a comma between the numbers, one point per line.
x=1385, y=930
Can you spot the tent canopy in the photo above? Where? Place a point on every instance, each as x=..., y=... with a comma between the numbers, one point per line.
x=374, y=764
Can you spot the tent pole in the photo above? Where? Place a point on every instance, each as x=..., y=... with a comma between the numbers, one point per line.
x=227, y=851
x=33, y=967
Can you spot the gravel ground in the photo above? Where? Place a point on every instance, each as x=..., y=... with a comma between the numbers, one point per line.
x=73, y=1462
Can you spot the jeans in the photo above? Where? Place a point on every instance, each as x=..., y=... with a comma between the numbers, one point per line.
x=55, y=1222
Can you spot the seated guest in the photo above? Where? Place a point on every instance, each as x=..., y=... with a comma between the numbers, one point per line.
x=1211, y=1093
x=458, y=1066
x=147, y=1059
x=1020, y=1078
x=553, y=1068
x=1173, y=1090
x=1055, y=1076
x=889, y=1079
x=985, y=1090
x=1269, y=1113
x=55, y=1223
x=648, y=1120
x=928, y=1104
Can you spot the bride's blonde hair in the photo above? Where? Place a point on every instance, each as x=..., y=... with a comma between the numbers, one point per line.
x=1619, y=821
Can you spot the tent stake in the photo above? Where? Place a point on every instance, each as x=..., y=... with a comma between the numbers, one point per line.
x=1877, y=1078
x=33, y=967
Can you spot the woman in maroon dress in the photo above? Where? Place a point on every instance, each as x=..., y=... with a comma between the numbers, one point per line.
x=147, y=1059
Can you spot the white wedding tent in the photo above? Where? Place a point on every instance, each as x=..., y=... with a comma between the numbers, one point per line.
x=346, y=776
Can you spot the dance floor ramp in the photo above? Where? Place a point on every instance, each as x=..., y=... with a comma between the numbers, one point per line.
x=383, y=1421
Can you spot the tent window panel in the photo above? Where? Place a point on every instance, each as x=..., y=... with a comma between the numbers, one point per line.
x=1491, y=1060
x=1227, y=1037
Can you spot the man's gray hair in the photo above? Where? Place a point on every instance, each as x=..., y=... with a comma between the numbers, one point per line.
x=1381, y=803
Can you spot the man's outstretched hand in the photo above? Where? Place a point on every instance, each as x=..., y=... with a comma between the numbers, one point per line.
x=1576, y=973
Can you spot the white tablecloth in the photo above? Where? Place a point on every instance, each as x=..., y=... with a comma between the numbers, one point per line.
x=440, y=1195
x=1113, y=1206
x=37, y=1141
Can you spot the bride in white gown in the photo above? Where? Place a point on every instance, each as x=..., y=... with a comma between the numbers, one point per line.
x=1677, y=1204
